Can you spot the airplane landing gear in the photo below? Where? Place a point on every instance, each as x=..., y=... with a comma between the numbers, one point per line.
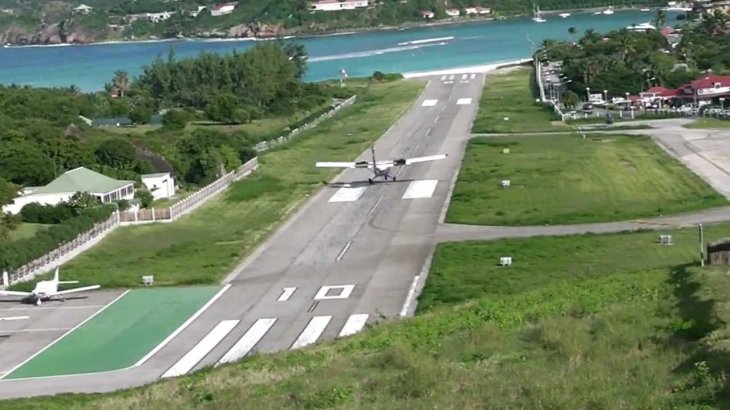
x=38, y=302
x=370, y=180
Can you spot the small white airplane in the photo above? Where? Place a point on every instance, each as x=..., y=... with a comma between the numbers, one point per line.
x=45, y=290
x=380, y=168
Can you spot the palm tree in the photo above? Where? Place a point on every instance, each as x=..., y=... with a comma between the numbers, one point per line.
x=572, y=31
x=661, y=19
x=121, y=82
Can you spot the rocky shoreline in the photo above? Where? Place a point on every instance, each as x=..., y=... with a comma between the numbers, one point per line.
x=57, y=34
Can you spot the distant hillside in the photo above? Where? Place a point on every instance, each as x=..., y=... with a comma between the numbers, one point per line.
x=53, y=22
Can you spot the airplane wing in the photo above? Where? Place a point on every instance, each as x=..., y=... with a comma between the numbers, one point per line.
x=359, y=164
x=83, y=289
x=409, y=161
x=14, y=293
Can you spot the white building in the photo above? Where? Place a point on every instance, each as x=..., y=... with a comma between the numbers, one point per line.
x=195, y=13
x=160, y=185
x=65, y=186
x=151, y=17
x=334, y=5
x=427, y=14
x=83, y=9
x=222, y=9
x=453, y=12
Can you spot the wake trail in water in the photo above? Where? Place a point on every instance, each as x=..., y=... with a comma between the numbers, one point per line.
x=426, y=40
x=369, y=53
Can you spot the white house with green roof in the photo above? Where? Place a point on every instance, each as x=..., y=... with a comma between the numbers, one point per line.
x=65, y=186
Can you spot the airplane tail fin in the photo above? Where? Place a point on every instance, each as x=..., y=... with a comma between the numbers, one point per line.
x=5, y=279
x=372, y=150
x=55, y=276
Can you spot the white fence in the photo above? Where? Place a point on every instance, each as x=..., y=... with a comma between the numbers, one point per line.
x=84, y=241
x=540, y=86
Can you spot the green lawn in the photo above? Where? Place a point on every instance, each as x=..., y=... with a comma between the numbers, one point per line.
x=510, y=95
x=650, y=332
x=25, y=230
x=709, y=123
x=204, y=246
x=560, y=179
x=121, y=335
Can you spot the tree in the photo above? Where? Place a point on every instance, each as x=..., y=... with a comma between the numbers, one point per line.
x=145, y=197
x=120, y=82
x=570, y=99
x=661, y=19
x=176, y=119
x=82, y=200
x=116, y=153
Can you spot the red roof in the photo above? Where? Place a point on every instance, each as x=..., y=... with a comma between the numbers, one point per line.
x=662, y=91
x=709, y=81
x=221, y=5
x=667, y=31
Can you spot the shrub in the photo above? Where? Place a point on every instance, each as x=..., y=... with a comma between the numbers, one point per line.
x=46, y=214
x=176, y=119
x=386, y=77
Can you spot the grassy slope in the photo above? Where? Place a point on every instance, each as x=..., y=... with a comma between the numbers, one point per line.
x=709, y=123
x=650, y=336
x=509, y=95
x=564, y=179
x=202, y=247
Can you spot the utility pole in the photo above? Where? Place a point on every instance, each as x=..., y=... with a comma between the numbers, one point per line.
x=702, y=245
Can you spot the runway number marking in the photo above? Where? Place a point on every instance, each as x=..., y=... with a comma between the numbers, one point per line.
x=354, y=324
x=463, y=101
x=324, y=292
x=420, y=189
x=348, y=194
x=429, y=103
x=312, y=332
x=247, y=341
x=197, y=353
x=286, y=294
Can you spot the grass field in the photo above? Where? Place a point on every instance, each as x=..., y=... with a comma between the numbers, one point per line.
x=560, y=179
x=510, y=95
x=709, y=123
x=121, y=335
x=204, y=246
x=650, y=332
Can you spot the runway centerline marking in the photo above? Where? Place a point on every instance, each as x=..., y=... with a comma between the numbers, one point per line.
x=420, y=189
x=343, y=251
x=312, y=332
x=286, y=294
x=323, y=293
x=9, y=318
x=197, y=353
x=56, y=307
x=463, y=101
x=348, y=194
x=247, y=341
x=183, y=326
x=354, y=324
x=429, y=103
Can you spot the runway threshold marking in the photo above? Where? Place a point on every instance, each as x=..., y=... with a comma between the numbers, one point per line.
x=247, y=341
x=463, y=76
x=451, y=77
x=463, y=101
x=197, y=353
x=183, y=326
x=312, y=332
x=354, y=324
x=429, y=103
x=58, y=339
x=345, y=291
x=286, y=294
x=420, y=189
x=473, y=76
x=348, y=194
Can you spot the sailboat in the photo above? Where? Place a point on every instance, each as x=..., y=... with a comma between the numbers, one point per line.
x=537, y=18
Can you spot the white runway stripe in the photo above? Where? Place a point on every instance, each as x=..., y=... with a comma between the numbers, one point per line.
x=429, y=103
x=473, y=76
x=463, y=76
x=247, y=341
x=354, y=324
x=451, y=77
x=420, y=189
x=347, y=194
x=312, y=332
x=443, y=77
x=286, y=294
x=463, y=101
x=197, y=353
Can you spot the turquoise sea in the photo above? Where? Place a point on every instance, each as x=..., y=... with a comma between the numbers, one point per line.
x=90, y=66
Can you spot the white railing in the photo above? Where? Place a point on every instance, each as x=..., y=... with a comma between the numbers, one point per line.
x=553, y=103
x=86, y=240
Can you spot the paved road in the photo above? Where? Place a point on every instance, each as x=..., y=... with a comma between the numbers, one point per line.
x=370, y=248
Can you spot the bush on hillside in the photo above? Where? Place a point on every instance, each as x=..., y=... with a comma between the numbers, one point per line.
x=46, y=214
x=386, y=77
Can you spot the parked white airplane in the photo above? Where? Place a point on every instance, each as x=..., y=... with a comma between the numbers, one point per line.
x=45, y=290
x=380, y=168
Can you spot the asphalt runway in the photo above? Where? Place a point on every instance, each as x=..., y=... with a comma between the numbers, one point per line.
x=369, y=245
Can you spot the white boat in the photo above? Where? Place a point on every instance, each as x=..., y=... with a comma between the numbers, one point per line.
x=645, y=9
x=608, y=11
x=641, y=27
x=564, y=15
x=537, y=17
